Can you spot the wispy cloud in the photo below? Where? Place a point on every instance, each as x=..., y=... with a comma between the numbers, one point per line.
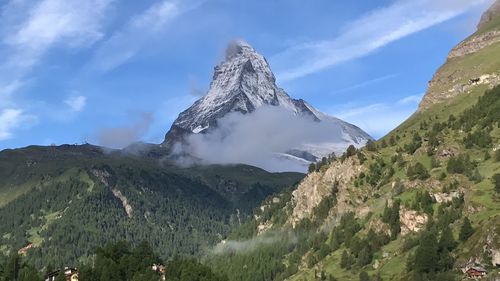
x=415, y=99
x=379, y=118
x=10, y=119
x=76, y=103
x=125, y=43
x=29, y=31
x=367, y=83
x=71, y=23
x=368, y=34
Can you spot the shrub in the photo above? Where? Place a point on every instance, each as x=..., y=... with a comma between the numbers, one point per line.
x=460, y=165
x=415, y=144
x=466, y=230
x=418, y=171
x=496, y=182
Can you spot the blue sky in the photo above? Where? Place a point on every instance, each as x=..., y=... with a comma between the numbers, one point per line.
x=75, y=71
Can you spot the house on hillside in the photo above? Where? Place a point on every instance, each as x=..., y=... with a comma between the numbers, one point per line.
x=70, y=273
x=476, y=272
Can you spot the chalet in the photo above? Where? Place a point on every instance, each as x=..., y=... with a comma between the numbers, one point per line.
x=70, y=273
x=476, y=272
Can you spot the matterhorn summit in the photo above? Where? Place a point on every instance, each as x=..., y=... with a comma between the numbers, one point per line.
x=243, y=101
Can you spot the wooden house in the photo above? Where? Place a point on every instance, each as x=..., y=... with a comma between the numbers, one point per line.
x=70, y=273
x=476, y=272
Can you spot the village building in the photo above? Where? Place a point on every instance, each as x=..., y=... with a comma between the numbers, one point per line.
x=476, y=272
x=70, y=273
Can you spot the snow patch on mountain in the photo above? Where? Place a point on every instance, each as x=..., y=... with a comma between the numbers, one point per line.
x=244, y=101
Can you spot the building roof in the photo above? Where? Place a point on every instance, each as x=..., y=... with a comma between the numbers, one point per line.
x=477, y=268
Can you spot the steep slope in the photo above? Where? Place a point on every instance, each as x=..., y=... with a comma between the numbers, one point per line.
x=398, y=209
x=490, y=15
x=469, y=64
x=66, y=201
x=244, y=83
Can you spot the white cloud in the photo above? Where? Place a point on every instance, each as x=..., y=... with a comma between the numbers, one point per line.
x=380, y=118
x=255, y=139
x=72, y=23
x=124, y=44
x=29, y=31
x=76, y=103
x=368, y=34
x=11, y=119
x=415, y=99
x=367, y=83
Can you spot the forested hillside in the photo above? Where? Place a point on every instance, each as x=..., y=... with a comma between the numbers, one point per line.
x=422, y=204
x=59, y=203
x=116, y=262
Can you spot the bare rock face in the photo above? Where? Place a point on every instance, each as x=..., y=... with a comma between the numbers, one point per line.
x=484, y=243
x=452, y=79
x=128, y=208
x=317, y=186
x=435, y=95
x=411, y=221
x=475, y=44
x=445, y=197
x=490, y=14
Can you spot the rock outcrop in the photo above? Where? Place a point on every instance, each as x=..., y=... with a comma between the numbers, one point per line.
x=475, y=44
x=128, y=208
x=317, y=186
x=491, y=14
x=455, y=77
x=411, y=221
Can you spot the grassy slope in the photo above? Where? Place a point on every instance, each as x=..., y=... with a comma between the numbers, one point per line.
x=484, y=62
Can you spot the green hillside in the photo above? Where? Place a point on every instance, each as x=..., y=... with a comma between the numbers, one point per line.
x=68, y=200
x=441, y=166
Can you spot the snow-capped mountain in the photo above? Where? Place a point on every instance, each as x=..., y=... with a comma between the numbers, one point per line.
x=244, y=83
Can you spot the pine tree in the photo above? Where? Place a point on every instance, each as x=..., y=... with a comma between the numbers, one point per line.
x=12, y=268
x=426, y=255
x=371, y=146
x=344, y=260
x=365, y=256
x=351, y=150
x=363, y=276
x=466, y=230
x=496, y=182
x=446, y=241
x=312, y=168
x=29, y=273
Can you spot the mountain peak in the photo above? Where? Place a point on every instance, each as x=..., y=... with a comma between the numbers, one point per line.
x=492, y=13
x=243, y=83
x=238, y=47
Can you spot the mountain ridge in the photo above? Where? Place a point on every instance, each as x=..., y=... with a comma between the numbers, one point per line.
x=243, y=83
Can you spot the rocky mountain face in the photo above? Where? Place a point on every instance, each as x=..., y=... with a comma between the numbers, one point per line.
x=491, y=14
x=243, y=83
x=471, y=63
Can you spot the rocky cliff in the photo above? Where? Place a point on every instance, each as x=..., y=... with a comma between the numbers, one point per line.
x=473, y=62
